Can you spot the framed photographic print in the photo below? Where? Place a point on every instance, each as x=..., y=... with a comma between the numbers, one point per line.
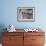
x=26, y=14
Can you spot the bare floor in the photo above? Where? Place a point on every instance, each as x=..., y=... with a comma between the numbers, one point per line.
x=0, y=44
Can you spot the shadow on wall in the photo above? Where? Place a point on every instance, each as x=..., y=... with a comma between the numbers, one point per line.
x=2, y=26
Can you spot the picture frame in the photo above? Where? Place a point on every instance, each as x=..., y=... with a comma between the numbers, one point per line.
x=26, y=14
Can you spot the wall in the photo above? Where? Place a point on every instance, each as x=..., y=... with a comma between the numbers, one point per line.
x=8, y=13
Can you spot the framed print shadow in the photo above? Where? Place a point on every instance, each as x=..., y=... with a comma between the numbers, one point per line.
x=26, y=14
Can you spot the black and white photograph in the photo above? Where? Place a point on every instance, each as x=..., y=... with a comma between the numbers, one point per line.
x=25, y=13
